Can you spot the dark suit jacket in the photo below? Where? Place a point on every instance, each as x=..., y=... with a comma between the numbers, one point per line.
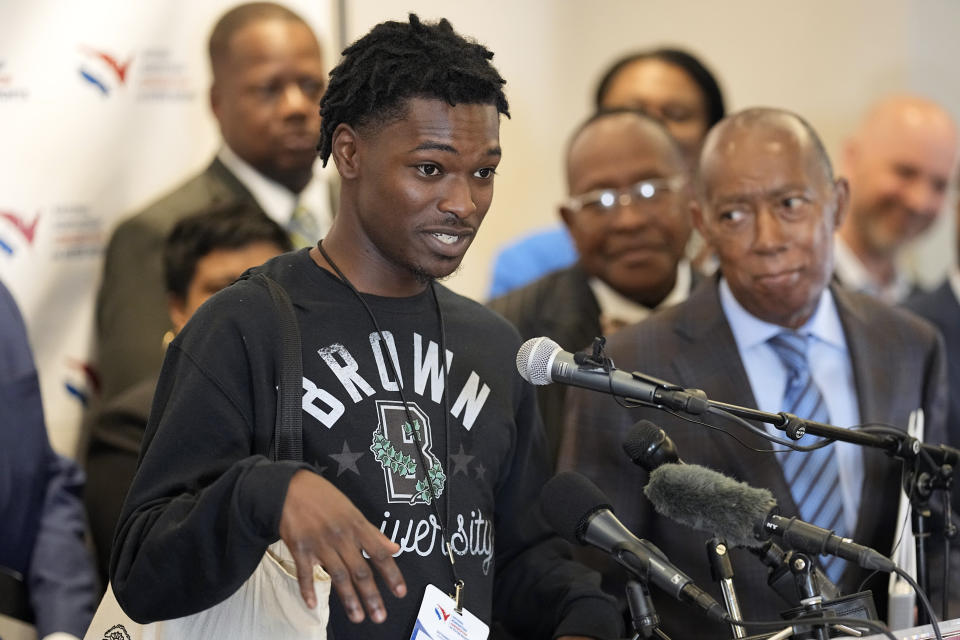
x=114, y=447
x=131, y=313
x=561, y=306
x=942, y=308
x=898, y=366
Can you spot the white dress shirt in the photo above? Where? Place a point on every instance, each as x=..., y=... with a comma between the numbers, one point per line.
x=615, y=305
x=276, y=200
x=954, y=278
x=854, y=276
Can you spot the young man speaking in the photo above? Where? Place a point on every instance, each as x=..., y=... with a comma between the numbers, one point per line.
x=422, y=445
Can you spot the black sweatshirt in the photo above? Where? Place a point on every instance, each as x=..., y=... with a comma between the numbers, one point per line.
x=207, y=500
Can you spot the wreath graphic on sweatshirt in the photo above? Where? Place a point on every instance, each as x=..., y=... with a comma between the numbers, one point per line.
x=428, y=486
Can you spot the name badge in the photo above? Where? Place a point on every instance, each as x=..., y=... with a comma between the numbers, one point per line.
x=438, y=619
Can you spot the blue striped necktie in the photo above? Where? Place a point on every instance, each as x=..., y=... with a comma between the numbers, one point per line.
x=814, y=476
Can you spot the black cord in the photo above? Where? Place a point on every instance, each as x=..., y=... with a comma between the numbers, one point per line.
x=923, y=599
x=763, y=433
x=893, y=551
x=722, y=413
x=435, y=499
x=945, y=599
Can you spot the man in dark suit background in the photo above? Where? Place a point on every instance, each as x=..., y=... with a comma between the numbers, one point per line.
x=268, y=78
x=628, y=186
x=768, y=205
x=942, y=307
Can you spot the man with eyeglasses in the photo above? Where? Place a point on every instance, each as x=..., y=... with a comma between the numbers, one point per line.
x=268, y=78
x=627, y=213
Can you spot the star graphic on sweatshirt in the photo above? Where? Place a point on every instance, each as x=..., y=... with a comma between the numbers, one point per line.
x=460, y=462
x=481, y=471
x=347, y=460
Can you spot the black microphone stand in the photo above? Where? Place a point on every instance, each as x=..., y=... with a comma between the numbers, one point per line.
x=646, y=622
x=802, y=568
x=721, y=569
x=920, y=485
x=932, y=464
x=928, y=467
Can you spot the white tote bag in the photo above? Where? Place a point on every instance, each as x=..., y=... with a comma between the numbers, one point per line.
x=267, y=605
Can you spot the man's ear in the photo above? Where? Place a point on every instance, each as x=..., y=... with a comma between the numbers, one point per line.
x=177, y=308
x=345, y=150
x=696, y=216
x=567, y=216
x=215, y=100
x=841, y=190
x=850, y=155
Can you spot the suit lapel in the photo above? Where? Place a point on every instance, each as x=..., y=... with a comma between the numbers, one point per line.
x=232, y=185
x=870, y=365
x=573, y=316
x=876, y=392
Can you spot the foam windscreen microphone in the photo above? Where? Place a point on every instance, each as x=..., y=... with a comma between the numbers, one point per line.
x=709, y=501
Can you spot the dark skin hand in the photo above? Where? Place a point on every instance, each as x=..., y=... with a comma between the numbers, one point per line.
x=321, y=526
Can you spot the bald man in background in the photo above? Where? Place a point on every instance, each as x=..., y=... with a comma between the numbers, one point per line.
x=899, y=163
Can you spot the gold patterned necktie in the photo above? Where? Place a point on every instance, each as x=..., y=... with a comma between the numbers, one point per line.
x=303, y=228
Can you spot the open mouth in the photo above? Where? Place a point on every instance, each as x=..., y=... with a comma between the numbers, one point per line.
x=446, y=238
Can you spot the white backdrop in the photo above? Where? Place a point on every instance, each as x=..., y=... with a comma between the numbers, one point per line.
x=76, y=157
x=103, y=107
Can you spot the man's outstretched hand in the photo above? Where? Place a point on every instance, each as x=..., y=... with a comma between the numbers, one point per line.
x=321, y=526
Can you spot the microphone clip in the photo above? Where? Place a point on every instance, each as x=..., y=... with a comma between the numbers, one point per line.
x=598, y=359
x=794, y=427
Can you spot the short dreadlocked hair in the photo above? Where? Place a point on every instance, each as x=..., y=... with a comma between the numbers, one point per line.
x=397, y=61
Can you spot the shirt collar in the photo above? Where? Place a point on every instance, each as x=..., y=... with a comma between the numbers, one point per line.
x=275, y=199
x=613, y=304
x=954, y=278
x=750, y=331
x=851, y=272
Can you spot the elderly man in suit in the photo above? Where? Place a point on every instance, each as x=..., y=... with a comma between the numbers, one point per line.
x=268, y=78
x=769, y=331
x=628, y=215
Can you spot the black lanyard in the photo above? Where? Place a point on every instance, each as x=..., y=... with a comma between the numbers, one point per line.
x=435, y=499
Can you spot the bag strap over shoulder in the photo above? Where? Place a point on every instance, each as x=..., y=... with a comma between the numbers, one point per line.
x=288, y=430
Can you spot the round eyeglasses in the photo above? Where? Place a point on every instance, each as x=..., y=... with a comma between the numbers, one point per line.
x=649, y=192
